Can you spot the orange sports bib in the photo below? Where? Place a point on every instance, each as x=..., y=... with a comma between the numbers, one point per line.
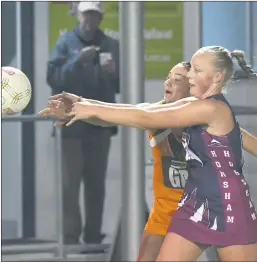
x=169, y=177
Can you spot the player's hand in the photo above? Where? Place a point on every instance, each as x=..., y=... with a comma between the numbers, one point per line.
x=67, y=98
x=57, y=109
x=80, y=111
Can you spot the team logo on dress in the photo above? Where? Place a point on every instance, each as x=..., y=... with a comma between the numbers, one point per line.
x=190, y=155
x=216, y=143
x=201, y=212
x=174, y=173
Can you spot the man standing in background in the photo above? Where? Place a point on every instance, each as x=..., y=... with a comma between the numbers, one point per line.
x=84, y=61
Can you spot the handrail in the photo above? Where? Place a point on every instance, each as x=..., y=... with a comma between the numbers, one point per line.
x=26, y=118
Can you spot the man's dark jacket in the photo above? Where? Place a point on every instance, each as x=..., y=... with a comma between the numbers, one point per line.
x=66, y=73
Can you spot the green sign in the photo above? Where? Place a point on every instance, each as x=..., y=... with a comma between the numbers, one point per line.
x=163, y=32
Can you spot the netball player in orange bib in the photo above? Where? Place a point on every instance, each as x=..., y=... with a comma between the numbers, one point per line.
x=169, y=168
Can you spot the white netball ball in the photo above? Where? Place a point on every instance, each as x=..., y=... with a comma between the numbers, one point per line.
x=16, y=91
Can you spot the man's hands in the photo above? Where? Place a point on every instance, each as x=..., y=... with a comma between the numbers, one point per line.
x=109, y=67
x=88, y=54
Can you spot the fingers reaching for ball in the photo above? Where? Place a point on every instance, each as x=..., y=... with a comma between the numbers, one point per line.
x=45, y=112
x=67, y=98
x=80, y=111
x=77, y=111
x=55, y=108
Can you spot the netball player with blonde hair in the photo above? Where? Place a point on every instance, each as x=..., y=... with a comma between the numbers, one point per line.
x=216, y=207
x=155, y=231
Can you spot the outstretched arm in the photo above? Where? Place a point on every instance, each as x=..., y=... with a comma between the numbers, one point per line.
x=191, y=113
x=69, y=99
x=249, y=142
x=148, y=106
